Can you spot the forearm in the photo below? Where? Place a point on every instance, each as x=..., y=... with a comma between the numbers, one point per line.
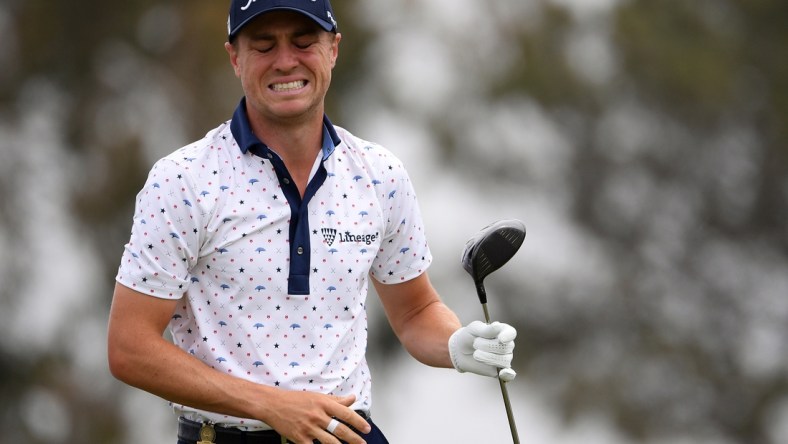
x=421, y=321
x=141, y=357
x=161, y=368
x=426, y=334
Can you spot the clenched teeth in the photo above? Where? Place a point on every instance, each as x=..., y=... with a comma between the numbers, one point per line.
x=289, y=86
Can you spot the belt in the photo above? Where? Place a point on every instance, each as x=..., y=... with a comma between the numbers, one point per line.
x=189, y=431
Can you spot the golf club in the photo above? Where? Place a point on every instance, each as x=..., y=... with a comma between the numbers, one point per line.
x=484, y=253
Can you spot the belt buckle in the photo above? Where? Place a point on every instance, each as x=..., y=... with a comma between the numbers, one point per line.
x=207, y=434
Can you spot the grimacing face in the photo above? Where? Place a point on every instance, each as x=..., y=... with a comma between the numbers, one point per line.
x=284, y=61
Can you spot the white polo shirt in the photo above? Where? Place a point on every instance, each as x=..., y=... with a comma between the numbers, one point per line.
x=272, y=287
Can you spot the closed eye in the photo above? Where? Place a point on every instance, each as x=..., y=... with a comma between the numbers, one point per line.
x=262, y=44
x=305, y=41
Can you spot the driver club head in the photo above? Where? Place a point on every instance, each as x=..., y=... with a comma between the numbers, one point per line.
x=490, y=249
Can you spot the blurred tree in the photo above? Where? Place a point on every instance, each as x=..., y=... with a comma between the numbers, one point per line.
x=680, y=173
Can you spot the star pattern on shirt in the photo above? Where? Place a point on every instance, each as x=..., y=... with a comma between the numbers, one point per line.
x=210, y=222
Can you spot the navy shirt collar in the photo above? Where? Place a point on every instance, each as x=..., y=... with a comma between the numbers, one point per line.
x=242, y=132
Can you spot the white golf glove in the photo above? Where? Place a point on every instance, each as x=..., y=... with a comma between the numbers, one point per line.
x=484, y=349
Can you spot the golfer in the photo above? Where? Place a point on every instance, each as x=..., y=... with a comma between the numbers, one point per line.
x=255, y=246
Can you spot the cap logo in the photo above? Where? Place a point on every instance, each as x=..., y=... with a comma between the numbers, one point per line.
x=244, y=8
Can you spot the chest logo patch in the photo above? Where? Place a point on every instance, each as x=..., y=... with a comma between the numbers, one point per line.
x=331, y=235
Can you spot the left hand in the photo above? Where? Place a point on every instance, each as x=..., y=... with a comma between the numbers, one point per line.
x=484, y=349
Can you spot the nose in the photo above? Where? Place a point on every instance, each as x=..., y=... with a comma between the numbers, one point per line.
x=286, y=58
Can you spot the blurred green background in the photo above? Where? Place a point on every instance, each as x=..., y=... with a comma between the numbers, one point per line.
x=644, y=144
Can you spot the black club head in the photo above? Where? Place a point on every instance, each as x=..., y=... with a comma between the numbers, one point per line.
x=490, y=249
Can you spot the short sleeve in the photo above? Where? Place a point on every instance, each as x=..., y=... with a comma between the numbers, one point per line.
x=165, y=234
x=404, y=253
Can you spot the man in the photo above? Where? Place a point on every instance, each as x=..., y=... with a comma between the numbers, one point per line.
x=254, y=246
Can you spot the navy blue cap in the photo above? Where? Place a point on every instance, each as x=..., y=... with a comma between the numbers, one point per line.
x=243, y=11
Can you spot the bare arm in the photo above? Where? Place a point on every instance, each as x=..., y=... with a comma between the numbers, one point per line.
x=421, y=321
x=141, y=357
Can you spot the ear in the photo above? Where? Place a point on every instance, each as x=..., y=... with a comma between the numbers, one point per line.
x=335, y=49
x=233, y=53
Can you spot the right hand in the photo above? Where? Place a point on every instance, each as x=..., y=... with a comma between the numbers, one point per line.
x=303, y=417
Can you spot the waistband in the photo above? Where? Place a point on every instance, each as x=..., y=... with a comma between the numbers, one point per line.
x=189, y=430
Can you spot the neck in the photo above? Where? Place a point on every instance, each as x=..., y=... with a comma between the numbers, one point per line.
x=295, y=145
x=296, y=142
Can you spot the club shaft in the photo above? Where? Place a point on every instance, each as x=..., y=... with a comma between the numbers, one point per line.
x=509, y=414
x=504, y=392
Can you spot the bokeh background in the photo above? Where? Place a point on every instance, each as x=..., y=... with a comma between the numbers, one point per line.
x=644, y=144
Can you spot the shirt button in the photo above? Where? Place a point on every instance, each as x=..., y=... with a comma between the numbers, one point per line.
x=300, y=250
x=270, y=156
x=286, y=181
